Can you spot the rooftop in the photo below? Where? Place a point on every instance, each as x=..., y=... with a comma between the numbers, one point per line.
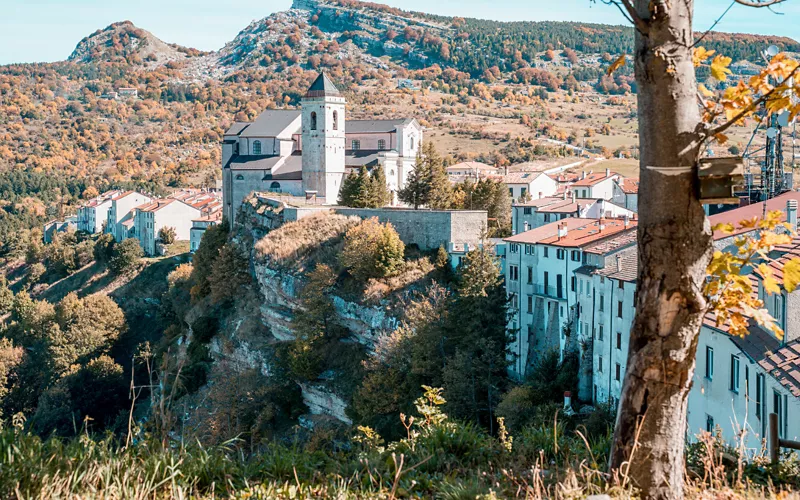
x=322, y=87
x=784, y=364
x=579, y=232
x=594, y=178
x=756, y=210
x=628, y=185
x=473, y=165
x=567, y=206
x=623, y=266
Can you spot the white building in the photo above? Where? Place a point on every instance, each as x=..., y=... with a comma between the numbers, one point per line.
x=541, y=274
x=473, y=170
x=306, y=151
x=178, y=211
x=199, y=227
x=595, y=185
x=626, y=193
x=534, y=184
x=536, y=213
x=94, y=213
x=737, y=381
x=52, y=227
x=120, y=223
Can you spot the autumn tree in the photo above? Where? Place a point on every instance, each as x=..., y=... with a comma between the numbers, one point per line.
x=167, y=235
x=125, y=256
x=372, y=250
x=674, y=238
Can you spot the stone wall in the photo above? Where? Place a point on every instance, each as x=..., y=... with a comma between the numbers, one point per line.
x=429, y=229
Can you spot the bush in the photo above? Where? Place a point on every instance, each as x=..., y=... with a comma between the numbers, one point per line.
x=167, y=235
x=104, y=248
x=372, y=250
x=125, y=256
x=35, y=273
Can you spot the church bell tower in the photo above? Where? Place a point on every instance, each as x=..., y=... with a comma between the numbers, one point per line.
x=323, y=140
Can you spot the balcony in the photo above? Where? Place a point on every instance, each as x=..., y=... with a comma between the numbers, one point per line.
x=548, y=291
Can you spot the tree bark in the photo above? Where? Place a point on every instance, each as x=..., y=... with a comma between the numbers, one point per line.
x=674, y=242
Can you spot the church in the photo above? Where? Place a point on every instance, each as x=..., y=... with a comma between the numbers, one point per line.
x=307, y=152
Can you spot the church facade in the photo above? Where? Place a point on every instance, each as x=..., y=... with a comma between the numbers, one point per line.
x=307, y=152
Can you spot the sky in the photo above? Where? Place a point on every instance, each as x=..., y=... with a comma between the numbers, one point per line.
x=48, y=30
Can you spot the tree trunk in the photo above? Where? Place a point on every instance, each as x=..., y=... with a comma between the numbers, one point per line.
x=674, y=244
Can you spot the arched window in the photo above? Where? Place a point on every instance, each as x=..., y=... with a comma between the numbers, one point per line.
x=356, y=145
x=381, y=144
x=411, y=142
x=256, y=147
x=275, y=187
x=313, y=120
x=335, y=120
x=240, y=177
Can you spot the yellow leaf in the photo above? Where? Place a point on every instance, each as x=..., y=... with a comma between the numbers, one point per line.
x=770, y=283
x=725, y=228
x=704, y=90
x=791, y=275
x=721, y=138
x=719, y=68
x=617, y=64
x=700, y=54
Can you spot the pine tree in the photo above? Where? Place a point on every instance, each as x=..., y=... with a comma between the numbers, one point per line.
x=347, y=192
x=380, y=196
x=415, y=192
x=362, y=193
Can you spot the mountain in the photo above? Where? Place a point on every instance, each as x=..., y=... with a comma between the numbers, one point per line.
x=124, y=42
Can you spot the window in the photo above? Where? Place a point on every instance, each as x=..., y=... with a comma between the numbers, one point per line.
x=381, y=144
x=560, y=253
x=709, y=363
x=313, y=120
x=619, y=340
x=513, y=273
x=511, y=192
x=709, y=423
x=621, y=284
x=602, y=302
x=734, y=383
x=600, y=333
x=573, y=283
x=619, y=308
x=600, y=364
x=275, y=187
x=335, y=120
x=617, y=372
x=530, y=303
x=256, y=147
x=515, y=248
x=530, y=274
x=760, y=395
x=779, y=407
x=576, y=256
x=411, y=142
x=356, y=145
x=547, y=217
x=546, y=251
x=240, y=177
x=526, y=210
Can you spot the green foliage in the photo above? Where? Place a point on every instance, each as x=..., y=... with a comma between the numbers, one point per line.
x=126, y=256
x=35, y=273
x=372, y=250
x=205, y=257
x=230, y=273
x=167, y=235
x=365, y=190
x=489, y=195
x=428, y=184
x=104, y=248
x=6, y=297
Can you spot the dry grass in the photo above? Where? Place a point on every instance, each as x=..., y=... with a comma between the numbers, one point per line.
x=295, y=243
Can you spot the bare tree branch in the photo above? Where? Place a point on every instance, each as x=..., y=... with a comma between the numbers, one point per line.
x=733, y=2
x=759, y=3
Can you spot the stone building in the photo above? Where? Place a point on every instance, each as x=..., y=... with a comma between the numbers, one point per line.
x=307, y=152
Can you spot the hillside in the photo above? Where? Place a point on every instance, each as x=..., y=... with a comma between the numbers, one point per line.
x=124, y=42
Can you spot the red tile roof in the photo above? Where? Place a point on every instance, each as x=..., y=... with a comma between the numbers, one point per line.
x=567, y=206
x=750, y=211
x=784, y=365
x=580, y=232
x=628, y=186
x=594, y=178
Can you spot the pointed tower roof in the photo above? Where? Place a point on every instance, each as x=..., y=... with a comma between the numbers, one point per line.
x=322, y=87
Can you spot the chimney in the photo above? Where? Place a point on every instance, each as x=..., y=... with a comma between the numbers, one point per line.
x=608, y=172
x=573, y=196
x=619, y=263
x=565, y=194
x=601, y=223
x=562, y=230
x=526, y=226
x=626, y=220
x=583, y=174
x=791, y=213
